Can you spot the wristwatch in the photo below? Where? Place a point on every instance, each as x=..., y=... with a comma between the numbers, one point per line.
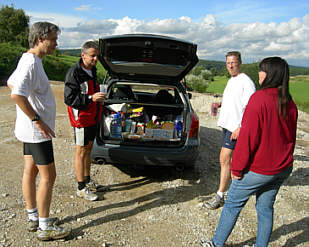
x=90, y=97
x=36, y=118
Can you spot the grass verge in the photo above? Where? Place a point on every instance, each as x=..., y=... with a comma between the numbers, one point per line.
x=299, y=88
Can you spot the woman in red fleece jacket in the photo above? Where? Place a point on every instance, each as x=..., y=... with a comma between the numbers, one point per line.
x=263, y=156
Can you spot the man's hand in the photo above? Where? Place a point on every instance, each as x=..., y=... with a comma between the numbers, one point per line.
x=235, y=134
x=25, y=106
x=44, y=129
x=98, y=97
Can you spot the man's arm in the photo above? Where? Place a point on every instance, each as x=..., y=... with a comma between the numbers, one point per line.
x=25, y=106
x=72, y=92
x=248, y=90
x=235, y=134
x=73, y=96
x=10, y=86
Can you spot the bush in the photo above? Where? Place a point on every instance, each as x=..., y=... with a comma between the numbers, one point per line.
x=197, y=83
x=55, y=68
x=14, y=26
x=9, y=56
x=251, y=70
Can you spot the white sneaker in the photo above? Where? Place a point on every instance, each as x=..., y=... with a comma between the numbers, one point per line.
x=86, y=194
x=52, y=232
x=95, y=187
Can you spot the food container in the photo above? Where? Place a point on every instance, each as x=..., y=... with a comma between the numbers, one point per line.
x=127, y=125
x=149, y=132
x=162, y=134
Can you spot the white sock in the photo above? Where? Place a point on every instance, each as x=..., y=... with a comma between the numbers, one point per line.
x=221, y=194
x=33, y=214
x=43, y=223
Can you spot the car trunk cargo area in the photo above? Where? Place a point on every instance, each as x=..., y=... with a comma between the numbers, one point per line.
x=142, y=124
x=143, y=118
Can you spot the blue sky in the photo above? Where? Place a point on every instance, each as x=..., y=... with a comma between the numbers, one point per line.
x=256, y=28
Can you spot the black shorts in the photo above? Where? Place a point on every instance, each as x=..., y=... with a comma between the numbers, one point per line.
x=84, y=135
x=42, y=152
x=226, y=139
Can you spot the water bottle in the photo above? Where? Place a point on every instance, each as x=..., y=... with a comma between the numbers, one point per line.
x=178, y=126
x=116, y=126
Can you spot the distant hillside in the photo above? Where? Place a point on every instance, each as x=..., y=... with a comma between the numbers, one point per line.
x=295, y=70
x=220, y=67
x=70, y=52
x=207, y=64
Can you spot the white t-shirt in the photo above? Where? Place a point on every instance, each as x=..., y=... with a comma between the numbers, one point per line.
x=235, y=98
x=29, y=80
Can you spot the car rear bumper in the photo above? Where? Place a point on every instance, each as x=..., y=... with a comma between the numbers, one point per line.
x=111, y=153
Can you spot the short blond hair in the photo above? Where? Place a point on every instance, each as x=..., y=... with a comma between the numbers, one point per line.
x=234, y=53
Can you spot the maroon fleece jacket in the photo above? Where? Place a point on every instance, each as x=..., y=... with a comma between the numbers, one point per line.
x=266, y=141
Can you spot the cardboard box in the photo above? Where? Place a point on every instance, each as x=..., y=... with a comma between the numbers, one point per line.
x=161, y=134
x=149, y=132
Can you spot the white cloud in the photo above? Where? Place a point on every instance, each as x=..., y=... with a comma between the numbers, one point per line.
x=83, y=8
x=254, y=40
x=58, y=19
x=126, y=25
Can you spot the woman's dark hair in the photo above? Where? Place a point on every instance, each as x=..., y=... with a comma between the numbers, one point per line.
x=277, y=76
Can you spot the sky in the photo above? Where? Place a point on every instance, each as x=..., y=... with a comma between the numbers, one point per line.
x=256, y=28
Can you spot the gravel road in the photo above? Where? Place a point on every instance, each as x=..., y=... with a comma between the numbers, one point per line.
x=152, y=207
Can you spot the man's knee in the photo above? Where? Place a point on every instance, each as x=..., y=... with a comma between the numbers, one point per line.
x=225, y=156
x=82, y=151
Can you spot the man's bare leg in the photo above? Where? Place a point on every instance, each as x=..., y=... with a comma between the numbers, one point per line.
x=82, y=169
x=87, y=164
x=81, y=160
x=45, y=188
x=28, y=182
x=225, y=161
x=225, y=164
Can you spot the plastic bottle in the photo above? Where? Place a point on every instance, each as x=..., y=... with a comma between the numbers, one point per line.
x=214, y=107
x=116, y=128
x=178, y=126
x=122, y=117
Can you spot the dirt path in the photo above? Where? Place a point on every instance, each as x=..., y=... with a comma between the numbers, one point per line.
x=155, y=207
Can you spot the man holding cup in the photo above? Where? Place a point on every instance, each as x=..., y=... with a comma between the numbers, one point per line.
x=84, y=100
x=103, y=88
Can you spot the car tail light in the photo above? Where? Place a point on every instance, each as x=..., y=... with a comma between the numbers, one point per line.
x=194, y=128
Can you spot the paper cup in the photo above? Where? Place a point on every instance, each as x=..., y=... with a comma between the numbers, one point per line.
x=103, y=88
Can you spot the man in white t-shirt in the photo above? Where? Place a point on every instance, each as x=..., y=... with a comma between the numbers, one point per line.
x=236, y=95
x=35, y=122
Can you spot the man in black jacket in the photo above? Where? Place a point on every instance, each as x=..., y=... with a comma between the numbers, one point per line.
x=83, y=98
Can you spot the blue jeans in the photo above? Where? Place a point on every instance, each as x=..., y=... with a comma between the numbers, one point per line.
x=265, y=188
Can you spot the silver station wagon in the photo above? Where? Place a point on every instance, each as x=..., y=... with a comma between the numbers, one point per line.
x=147, y=117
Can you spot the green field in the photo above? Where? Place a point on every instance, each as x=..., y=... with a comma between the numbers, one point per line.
x=217, y=86
x=299, y=88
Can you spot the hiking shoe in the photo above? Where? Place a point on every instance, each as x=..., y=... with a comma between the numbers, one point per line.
x=215, y=202
x=33, y=225
x=207, y=243
x=86, y=194
x=52, y=232
x=95, y=187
